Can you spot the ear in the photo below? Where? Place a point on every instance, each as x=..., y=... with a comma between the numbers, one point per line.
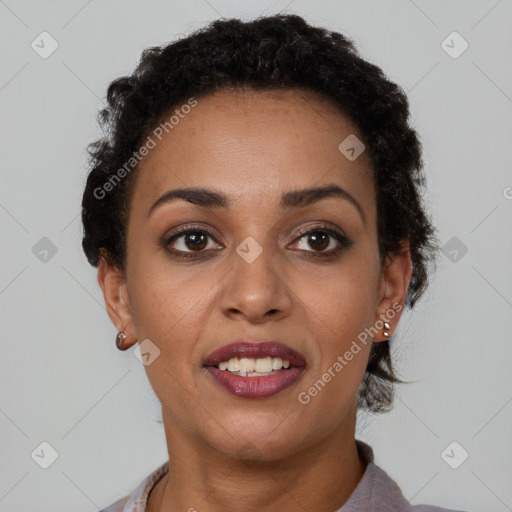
x=113, y=285
x=394, y=282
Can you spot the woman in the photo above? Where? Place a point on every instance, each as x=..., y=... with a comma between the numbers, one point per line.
x=254, y=210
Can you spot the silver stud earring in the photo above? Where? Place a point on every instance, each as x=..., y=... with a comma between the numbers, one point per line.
x=387, y=327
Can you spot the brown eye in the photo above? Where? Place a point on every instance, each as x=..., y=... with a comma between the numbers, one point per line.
x=318, y=240
x=195, y=240
x=189, y=241
x=322, y=242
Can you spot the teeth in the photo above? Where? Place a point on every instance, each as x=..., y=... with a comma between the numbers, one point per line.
x=247, y=365
x=277, y=362
x=253, y=374
x=234, y=365
x=263, y=365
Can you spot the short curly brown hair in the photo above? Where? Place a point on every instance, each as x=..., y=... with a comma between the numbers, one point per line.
x=273, y=52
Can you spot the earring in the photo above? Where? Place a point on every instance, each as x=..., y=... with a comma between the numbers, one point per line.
x=121, y=336
x=386, y=326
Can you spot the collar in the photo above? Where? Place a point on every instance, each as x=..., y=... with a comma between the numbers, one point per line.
x=376, y=491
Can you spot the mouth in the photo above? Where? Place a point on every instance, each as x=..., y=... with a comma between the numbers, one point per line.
x=255, y=369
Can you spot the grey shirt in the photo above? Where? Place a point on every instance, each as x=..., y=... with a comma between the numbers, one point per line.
x=375, y=492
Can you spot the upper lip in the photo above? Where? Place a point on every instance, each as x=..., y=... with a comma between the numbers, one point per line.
x=255, y=350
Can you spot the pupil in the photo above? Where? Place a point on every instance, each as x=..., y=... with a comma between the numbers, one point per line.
x=321, y=239
x=197, y=241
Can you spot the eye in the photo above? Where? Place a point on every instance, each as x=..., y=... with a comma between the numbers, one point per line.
x=190, y=242
x=195, y=242
x=323, y=242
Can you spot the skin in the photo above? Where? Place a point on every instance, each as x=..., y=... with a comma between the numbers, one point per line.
x=229, y=453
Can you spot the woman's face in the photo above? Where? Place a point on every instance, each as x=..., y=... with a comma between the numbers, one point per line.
x=247, y=270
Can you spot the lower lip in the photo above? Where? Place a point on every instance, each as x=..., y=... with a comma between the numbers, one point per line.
x=255, y=387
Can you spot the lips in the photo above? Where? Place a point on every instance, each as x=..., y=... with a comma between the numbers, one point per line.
x=255, y=387
x=255, y=351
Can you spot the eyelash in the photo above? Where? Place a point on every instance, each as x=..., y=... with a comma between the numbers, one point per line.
x=341, y=238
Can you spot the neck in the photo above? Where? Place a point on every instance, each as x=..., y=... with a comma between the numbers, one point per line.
x=320, y=478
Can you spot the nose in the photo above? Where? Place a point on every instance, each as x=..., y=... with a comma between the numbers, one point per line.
x=256, y=290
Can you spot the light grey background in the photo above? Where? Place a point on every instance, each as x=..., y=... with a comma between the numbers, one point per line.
x=64, y=382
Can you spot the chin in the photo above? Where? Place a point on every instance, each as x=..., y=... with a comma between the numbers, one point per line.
x=268, y=440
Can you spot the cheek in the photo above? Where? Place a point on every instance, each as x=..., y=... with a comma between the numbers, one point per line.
x=340, y=302
x=169, y=310
x=343, y=314
x=168, y=306
x=162, y=293
x=343, y=307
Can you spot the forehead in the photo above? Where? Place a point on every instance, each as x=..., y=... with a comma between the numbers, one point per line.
x=253, y=145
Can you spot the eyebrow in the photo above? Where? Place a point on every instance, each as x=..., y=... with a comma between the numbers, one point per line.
x=208, y=198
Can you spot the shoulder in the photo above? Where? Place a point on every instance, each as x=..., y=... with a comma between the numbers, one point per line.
x=385, y=494
x=118, y=506
x=137, y=500
x=430, y=508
